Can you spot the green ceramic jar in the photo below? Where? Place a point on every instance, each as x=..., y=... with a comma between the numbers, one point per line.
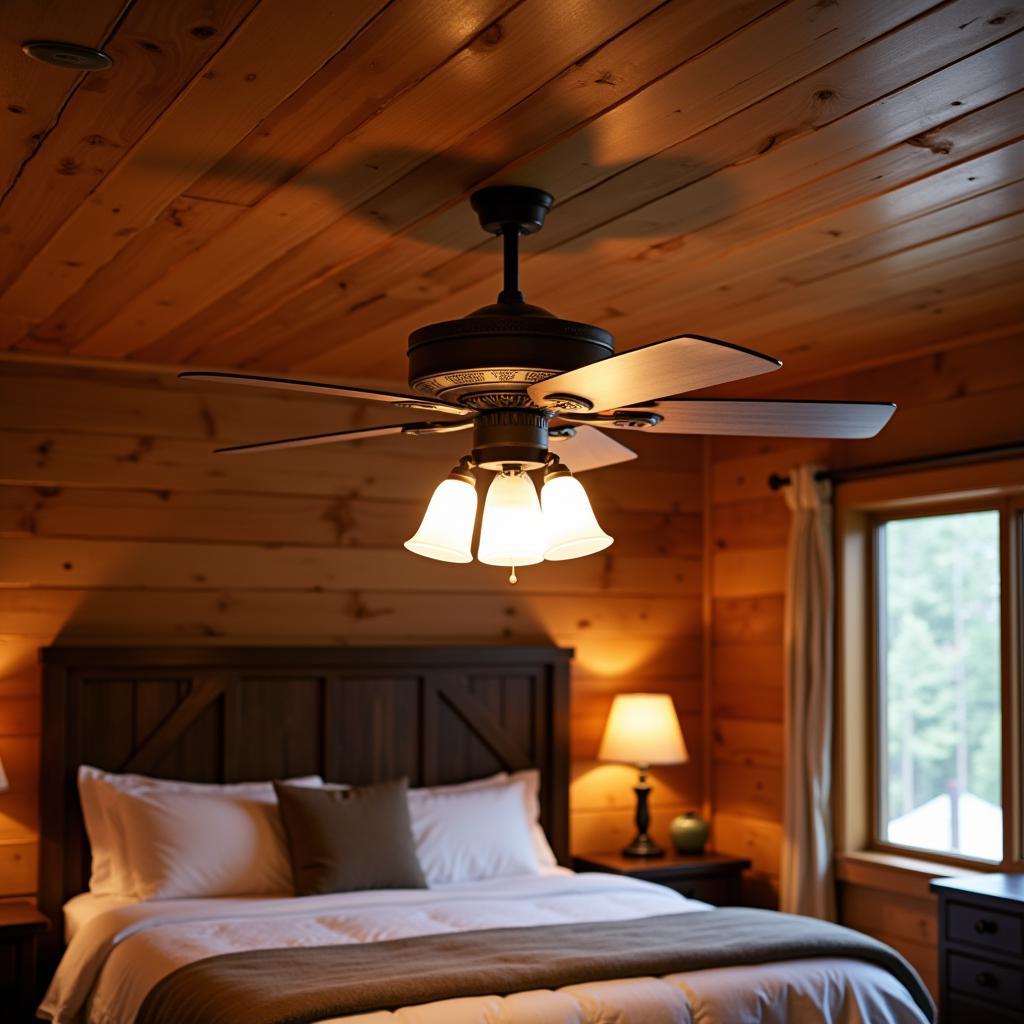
x=689, y=832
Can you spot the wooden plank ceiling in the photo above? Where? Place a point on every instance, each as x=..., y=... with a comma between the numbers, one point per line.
x=277, y=187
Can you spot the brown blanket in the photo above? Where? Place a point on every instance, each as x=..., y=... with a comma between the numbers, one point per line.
x=289, y=986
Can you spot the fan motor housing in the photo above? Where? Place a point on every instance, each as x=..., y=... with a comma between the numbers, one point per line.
x=510, y=437
x=488, y=359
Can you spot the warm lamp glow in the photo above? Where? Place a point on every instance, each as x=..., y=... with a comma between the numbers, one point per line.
x=512, y=531
x=4, y=784
x=447, y=528
x=571, y=528
x=643, y=729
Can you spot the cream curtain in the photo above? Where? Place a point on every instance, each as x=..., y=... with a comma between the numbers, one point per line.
x=806, y=882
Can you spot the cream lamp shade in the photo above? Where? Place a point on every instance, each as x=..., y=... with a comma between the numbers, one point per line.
x=512, y=529
x=643, y=728
x=572, y=529
x=447, y=528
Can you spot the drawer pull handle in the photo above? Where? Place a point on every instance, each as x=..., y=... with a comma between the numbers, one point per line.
x=985, y=980
x=984, y=926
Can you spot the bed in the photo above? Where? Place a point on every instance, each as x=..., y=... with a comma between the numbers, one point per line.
x=443, y=715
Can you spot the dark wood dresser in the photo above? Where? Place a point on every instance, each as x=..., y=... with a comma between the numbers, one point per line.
x=981, y=949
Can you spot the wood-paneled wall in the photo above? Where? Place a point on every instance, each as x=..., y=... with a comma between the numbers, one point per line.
x=951, y=400
x=118, y=524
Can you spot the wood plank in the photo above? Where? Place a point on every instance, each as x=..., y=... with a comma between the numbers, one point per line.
x=748, y=791
x=19, y=816
x=611, y=830
x=761, y=523
x=775, y=187
x=743, y=620
x=758, y=840
x=33, y=94
x=746, y=700
x=142, y=462
x=18, y=862
x=928, y=316
x=218, y=108
x=903, y=237
x=87, y=564
x=176, y=233
x=868, y=910
x=930, y=265
x=606, y=787
x=503, y=68
x=156, y=49
x=354, y=84
x=891, y=874
x=44, y=398
x=19, y=716
x=21, y=763
x=756, y=664
x=748, y=743
x=749, y=572
x=746, y=479
x=92, y=615
x=87, y=513
x=593, y=694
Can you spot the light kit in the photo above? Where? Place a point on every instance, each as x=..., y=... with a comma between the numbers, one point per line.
x=539, y=392
x=516, y=529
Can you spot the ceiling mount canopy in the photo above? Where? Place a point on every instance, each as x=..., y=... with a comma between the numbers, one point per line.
x=538, y=391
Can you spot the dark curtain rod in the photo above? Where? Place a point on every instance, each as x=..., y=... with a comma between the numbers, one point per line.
x=839, y=476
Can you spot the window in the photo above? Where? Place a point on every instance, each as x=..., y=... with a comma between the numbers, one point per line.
x=929, y=719
x=939, y=683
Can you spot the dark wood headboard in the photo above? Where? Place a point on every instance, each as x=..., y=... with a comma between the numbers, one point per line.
x=351, y=714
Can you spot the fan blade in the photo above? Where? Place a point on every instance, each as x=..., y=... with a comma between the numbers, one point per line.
x=345, y=435
x=654, y=371
x=756, y=418
x=339, y=390
x=588, y=449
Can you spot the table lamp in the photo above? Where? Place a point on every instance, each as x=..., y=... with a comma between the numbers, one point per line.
x=643, y=730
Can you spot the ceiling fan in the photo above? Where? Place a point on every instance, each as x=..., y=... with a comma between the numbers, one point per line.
x=533, y=388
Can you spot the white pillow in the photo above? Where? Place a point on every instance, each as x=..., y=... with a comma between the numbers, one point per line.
x=189, y=844
x=475, y=833
x=101, y=792
x=528, y=783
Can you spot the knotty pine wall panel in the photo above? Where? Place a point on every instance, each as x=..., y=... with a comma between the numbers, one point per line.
x=117, y=523
x=950, y=400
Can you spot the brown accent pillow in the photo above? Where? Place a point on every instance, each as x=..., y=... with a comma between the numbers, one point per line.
x=345, y=839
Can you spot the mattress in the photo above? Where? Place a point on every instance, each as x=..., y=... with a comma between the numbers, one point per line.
x=118, y=953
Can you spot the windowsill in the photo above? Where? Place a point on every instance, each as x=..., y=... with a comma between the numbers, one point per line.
x=893, y=873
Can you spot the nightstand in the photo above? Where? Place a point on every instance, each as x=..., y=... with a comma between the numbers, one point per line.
x=712, y=877
x=20, y=925
x=981, y=949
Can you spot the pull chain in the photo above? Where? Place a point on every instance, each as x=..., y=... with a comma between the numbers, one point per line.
x=513, y=578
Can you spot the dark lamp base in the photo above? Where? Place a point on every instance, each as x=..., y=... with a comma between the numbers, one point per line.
x=643, y=846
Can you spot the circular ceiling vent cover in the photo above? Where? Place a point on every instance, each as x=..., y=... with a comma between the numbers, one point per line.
x=67, y=55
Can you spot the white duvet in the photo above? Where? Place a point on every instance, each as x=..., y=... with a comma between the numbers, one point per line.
x=119, y=952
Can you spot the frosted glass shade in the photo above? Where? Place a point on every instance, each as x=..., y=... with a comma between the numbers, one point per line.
x=446, y=531
x=512, y=531
x=571, y=528
x=642, y=728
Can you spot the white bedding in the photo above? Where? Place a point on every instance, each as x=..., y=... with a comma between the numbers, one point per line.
x=119, y=952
